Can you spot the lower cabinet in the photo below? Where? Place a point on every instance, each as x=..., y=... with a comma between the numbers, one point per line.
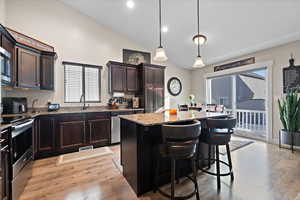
x=72, y=135
x=65, y=133
x=99, y=132
x=45, y=136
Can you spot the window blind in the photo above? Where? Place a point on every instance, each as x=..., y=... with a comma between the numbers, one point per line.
x=92, y=84
x=73, y=83
x=81, y=80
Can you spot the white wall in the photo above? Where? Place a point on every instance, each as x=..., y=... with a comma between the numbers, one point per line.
x=76, y=38
x=2, y=11
x=279, y=55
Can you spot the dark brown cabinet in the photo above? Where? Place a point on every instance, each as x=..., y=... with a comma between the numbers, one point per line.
x=47, y=72
x=118, y=78
x=32, y=61
x=123, y=77
x=152, y=97
x=62, y=133
x=5, y=165
x=132, y=79
x=71, y=132
x=28, y=68
x=98, y=129
x=45, y=135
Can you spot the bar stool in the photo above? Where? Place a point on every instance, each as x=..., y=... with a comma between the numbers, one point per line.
x=179, y=143
x=218, y=132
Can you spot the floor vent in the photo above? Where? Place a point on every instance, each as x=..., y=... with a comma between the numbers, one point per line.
x=85, y=148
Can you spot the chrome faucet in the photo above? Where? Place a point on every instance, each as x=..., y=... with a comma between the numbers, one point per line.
x=82, y=99
x=32, y=107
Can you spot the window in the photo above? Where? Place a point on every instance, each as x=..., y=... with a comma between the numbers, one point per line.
x=81, y=79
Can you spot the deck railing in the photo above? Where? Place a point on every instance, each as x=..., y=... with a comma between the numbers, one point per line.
x=249, y=119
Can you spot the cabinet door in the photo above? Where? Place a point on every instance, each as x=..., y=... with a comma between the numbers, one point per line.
x=47, y=72
x=132, y=79
x=99, y=132
x=71, y=133
x=159, y=88
x=118, y=78
x=45, y=136
x=5, y=172
x=149, y=89
x=28, y=69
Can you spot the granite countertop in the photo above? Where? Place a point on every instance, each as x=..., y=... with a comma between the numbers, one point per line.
x=5, y=126
x=70, y=110
x=148, y=119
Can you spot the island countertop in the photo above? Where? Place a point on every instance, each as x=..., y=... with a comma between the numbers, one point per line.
x=149, y=119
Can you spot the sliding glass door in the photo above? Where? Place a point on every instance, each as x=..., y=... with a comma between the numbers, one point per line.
x=244, y=96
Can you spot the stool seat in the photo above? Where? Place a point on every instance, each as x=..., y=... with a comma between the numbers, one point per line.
x=179, y=143
x=178, y=150
x=218, y=132
x=215, y=137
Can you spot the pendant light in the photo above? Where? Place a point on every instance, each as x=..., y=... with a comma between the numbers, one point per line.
x=160, y=54
x=198, y=61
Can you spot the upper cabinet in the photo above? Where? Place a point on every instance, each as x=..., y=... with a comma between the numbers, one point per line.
x=32, y=61
x=132, y=79
x=123, y=77
x=28, y=68
x=47, y=72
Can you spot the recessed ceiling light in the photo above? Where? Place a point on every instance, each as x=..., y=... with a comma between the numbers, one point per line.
x=130, y=4
x=164, y=29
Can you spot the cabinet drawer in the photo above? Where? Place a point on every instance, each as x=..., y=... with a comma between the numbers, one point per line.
x=103, y=115
x=71, y=117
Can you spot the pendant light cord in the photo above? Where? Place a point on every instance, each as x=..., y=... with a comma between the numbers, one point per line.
x=160, y=24
x=198, y=18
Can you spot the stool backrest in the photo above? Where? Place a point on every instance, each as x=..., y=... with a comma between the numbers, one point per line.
x=225, y=123
x=184, y=131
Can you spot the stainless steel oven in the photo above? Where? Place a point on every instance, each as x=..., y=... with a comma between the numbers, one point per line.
x=21, y=155
x=5, y=62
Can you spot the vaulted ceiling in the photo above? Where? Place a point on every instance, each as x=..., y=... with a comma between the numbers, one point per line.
x=233, y=27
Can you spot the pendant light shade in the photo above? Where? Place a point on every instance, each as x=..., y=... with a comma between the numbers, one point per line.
x=160, y=54
x=201, y=39
x=198, y=62
x=198, y=39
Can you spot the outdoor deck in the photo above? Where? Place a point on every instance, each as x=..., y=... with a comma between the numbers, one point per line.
x=250, y=123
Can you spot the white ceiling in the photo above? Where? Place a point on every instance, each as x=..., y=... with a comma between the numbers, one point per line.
x=233, y=27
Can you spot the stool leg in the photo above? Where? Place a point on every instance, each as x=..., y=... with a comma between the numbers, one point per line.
x=156, y=174
x=209, y=156
x=229, y=161
x=173, y=169
x=194, y=166
x=218, y=168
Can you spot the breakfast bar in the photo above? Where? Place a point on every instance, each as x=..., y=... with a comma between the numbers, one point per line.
x=140, y=137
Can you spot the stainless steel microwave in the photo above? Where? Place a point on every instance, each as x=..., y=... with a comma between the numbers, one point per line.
x=5, y=62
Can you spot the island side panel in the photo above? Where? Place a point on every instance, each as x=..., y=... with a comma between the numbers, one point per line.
x=129, y=153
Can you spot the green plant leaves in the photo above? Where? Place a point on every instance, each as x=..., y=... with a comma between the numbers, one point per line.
x=289, y=109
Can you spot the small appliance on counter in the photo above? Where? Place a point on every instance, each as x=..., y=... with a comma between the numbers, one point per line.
x=135, y=102
x=117, y=102
x=53, y=107
x=14, y=105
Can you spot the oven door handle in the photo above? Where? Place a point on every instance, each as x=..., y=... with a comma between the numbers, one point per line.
x=21, y=128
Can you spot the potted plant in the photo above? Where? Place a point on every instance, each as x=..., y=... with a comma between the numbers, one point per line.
x=289, y=108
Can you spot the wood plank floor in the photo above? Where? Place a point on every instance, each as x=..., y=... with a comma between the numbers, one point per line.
x=262, y=172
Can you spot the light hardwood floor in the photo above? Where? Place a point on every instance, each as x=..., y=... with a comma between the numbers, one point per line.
x=262, y=172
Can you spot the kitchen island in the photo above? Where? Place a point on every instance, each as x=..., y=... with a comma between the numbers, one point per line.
x=140, y=137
